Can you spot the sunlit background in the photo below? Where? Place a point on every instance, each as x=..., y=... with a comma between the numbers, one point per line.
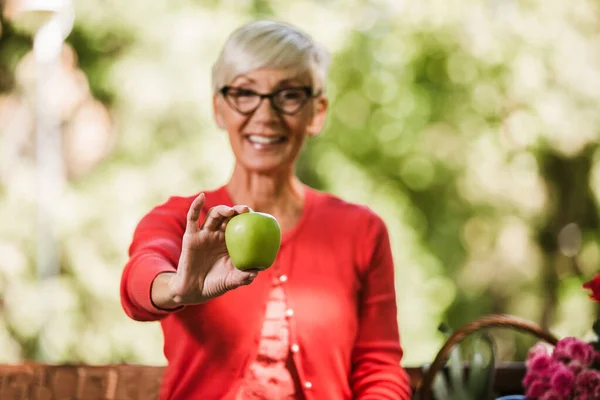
x=470, y=126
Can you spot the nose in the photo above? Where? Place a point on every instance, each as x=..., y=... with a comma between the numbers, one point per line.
x=265, y=111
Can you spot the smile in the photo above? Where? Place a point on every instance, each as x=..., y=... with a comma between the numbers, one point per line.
x=262, y=141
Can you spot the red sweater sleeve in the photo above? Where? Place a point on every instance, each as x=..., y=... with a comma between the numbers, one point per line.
x=155, y=249
x=376, y=370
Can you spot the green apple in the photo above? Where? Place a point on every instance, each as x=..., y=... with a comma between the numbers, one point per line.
x=253, y=240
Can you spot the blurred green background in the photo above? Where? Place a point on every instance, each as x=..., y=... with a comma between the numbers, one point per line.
x=470, y=126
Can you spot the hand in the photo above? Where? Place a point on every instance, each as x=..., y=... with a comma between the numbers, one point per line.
x=205, y=270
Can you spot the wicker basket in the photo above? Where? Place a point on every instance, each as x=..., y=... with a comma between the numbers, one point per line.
x=495, y=321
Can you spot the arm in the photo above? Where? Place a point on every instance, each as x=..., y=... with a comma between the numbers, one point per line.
x=153, y=257
x=175, y=261
x=376, y=370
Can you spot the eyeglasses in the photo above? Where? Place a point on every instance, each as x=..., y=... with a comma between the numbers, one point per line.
x=286, y=101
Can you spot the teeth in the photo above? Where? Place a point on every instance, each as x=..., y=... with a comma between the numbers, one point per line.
x=264, y=139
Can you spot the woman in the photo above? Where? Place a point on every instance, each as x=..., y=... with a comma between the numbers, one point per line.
x=321, y=322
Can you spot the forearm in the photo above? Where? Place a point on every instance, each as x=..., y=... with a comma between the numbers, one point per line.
x=154, y=250
x=137, y=286
x=377, y=372
x=384, y=384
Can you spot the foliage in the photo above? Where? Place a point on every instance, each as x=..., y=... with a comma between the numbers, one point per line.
x=471, y=127
x=478, y=384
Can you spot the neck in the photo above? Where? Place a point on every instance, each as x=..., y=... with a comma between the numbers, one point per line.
x=280, y=194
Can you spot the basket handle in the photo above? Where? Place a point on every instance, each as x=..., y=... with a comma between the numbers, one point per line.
x=494, y=320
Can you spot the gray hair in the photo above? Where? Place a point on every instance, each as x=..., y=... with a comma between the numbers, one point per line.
x=270, y=44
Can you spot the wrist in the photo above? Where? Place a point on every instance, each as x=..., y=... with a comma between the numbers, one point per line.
x=162, y=294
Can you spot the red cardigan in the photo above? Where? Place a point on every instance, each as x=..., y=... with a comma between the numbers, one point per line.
x=339, y=281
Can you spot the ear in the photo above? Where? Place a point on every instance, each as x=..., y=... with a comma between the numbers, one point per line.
x=217, y=111
x=318, y=119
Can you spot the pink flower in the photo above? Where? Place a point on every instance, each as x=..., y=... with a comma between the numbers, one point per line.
x=587, y=385
x=571, y=348
x=562, y=380
x=575, y=366
x=541, y=364
x=570, y=371
x=551, y=395
x=594, y=286
x=537, y=389
x=540, y=368
x=529, y=379
x=537, y=349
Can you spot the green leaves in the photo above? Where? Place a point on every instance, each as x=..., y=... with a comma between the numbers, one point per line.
x=596, y=343
x=596, y=328
x=481, y=375
x=478, y=383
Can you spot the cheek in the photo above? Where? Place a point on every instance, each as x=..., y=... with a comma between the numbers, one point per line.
x=300, y=123
x=233, y=121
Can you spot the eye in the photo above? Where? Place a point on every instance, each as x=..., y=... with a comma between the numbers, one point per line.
x=241, y=93
x=292, y=94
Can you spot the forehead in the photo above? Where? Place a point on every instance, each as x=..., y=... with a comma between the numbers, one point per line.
x=273, y=77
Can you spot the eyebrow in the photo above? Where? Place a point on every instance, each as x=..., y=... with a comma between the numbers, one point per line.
x=283, y=82
x=290, y=80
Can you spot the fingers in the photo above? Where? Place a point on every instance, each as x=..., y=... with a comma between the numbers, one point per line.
x=239, y=209
x=194, y=214
x=216, y=216
x=248, y=276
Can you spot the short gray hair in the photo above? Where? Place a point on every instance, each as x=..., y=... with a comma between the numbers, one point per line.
x=270, y=44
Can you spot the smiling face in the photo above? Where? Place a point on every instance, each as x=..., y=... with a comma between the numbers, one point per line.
x=267, y=140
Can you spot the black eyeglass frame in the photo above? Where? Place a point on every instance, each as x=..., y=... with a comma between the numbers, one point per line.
x=224, y=91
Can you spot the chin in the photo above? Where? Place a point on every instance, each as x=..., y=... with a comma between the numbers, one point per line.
x=266, y=166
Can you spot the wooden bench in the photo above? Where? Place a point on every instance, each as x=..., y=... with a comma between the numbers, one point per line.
x=32, y=381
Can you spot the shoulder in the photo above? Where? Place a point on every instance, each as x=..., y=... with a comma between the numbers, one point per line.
x=348, y=212
x=176, y=207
